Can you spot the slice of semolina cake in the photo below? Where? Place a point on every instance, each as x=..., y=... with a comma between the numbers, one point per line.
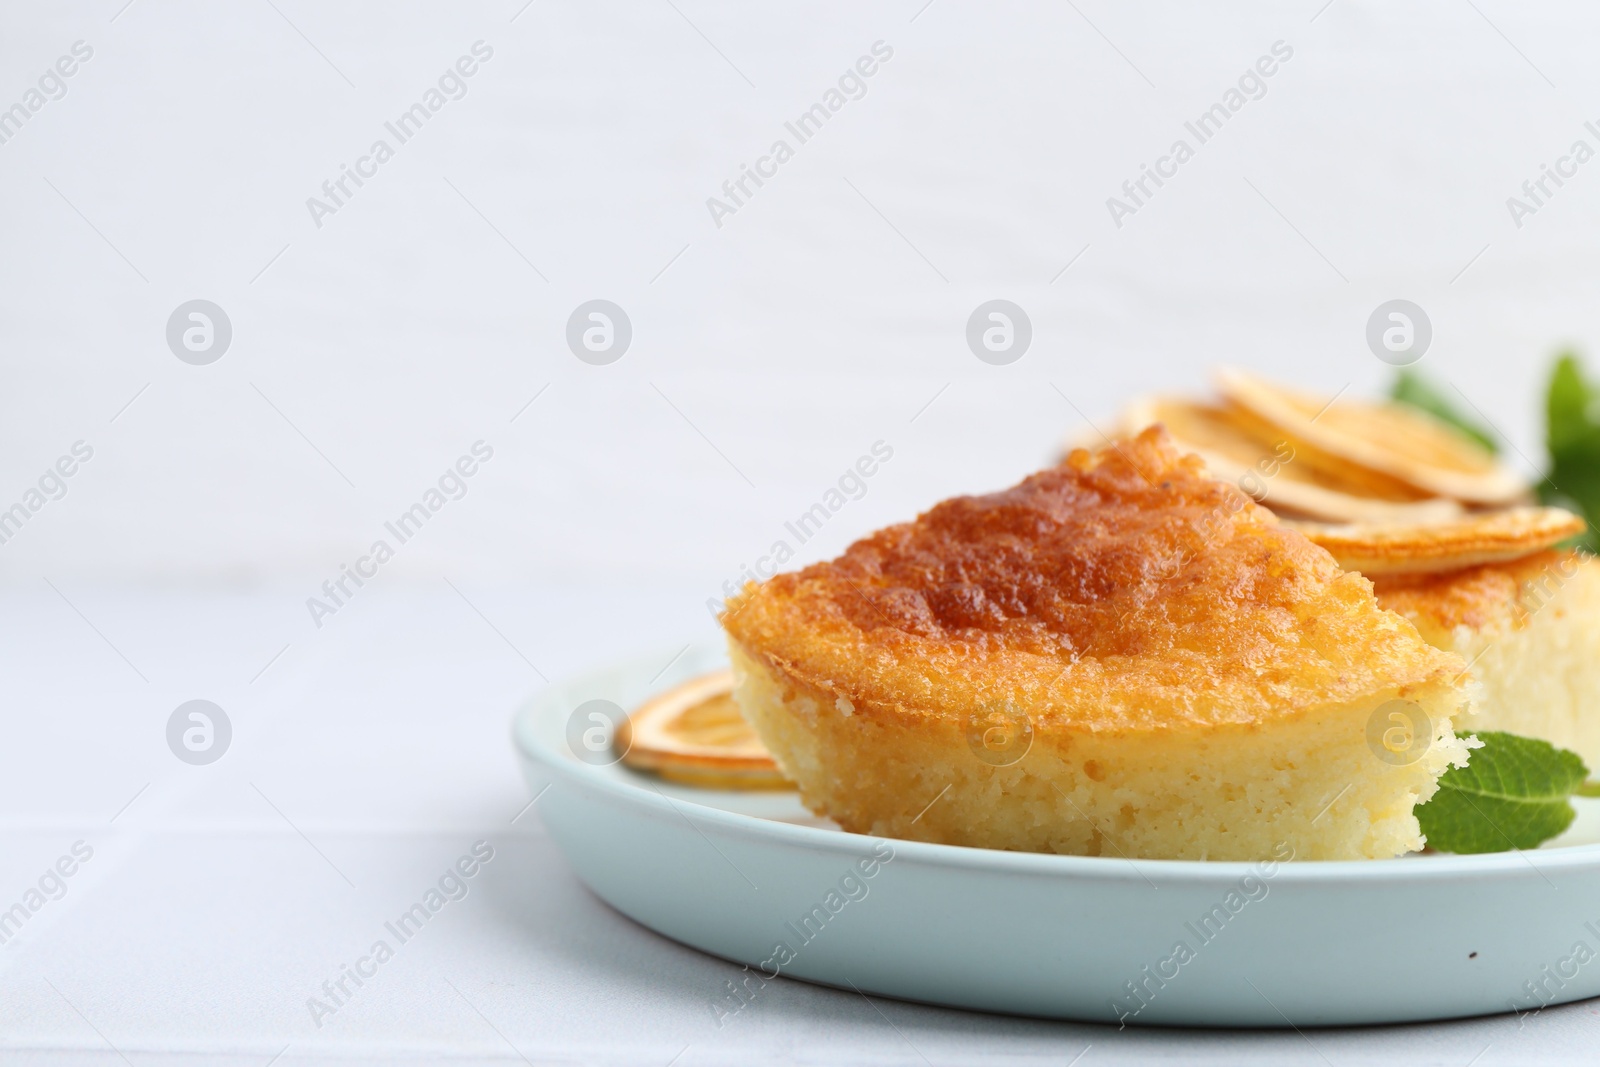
x=1119, y=656
x=1530, y=628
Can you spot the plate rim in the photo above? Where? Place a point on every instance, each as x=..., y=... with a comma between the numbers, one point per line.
x=547, y=700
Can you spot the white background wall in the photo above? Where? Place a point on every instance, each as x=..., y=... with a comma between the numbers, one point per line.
x=792, y=337
x=767, y=356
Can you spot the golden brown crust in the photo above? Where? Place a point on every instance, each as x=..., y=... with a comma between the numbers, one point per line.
x=1125, y=589
x=1473, y=540
x=1479, y=598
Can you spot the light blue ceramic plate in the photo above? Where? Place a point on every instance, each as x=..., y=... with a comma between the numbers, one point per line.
x=755, y=878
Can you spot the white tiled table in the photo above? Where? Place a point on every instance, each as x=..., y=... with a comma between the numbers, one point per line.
x=205, y=920
x=768, y=354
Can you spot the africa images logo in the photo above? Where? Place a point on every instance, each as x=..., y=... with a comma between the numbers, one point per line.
x=452, y=485
x=52, y=86
x=1251, y=85
x=451, y=85
x=852, y=85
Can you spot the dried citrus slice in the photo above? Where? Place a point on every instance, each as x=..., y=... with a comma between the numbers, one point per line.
x=1272, y=471
x=694, y=733
x=1422, y=548
x=1392, y=443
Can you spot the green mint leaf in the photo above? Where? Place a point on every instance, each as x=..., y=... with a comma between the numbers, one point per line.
x=1568, y=404
x=1572, y=434
x=1413, y=389
x=1513, y=793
